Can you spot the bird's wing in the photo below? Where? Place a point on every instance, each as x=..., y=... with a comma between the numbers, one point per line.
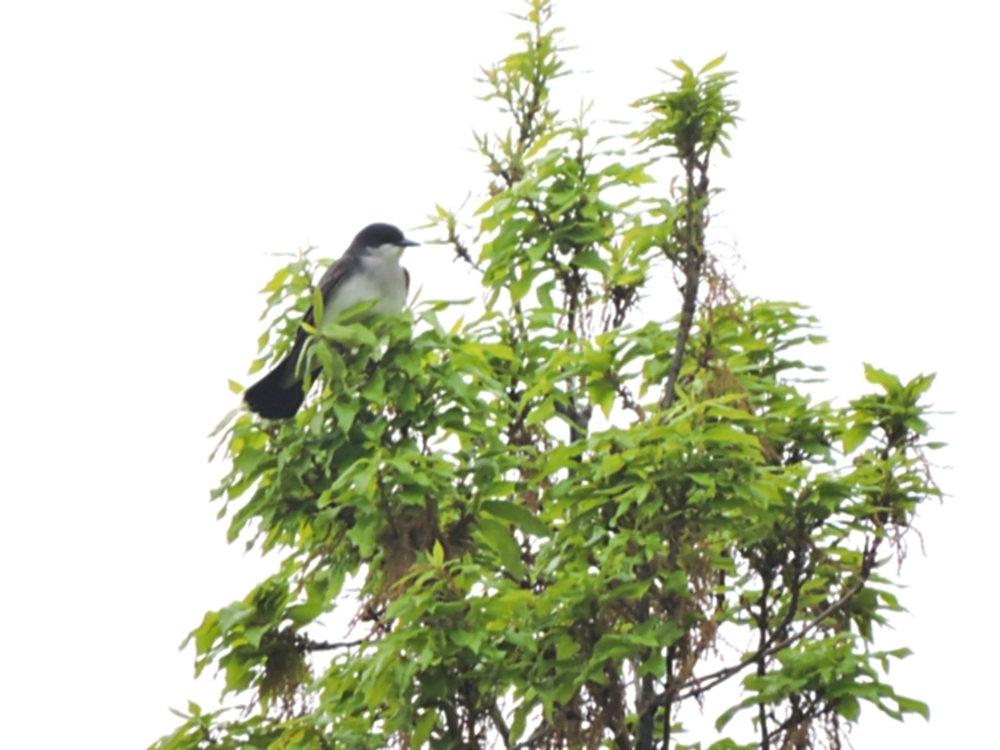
x=343, y=267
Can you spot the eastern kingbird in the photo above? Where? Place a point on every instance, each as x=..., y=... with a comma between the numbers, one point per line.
x=369, y=270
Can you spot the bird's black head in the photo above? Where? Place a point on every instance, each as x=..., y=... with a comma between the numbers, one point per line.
x=377, y=235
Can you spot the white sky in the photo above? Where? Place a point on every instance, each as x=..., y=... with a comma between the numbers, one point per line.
x=152, y=155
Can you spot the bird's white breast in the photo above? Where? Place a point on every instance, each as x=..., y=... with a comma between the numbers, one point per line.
x=381, y=279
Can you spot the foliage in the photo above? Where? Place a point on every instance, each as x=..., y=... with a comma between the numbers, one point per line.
x=560, y=512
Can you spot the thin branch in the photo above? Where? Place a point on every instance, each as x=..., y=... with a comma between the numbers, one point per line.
x=697, y=685
x=692, y=275
x=630, y=403
x=462, y=252
x=454, y=728
x=647, y=699
x=543, y=732
x=668, y=709
x=692, y=254
x=500, y=724
x=799, y=717
x=327, y=646
x=765, y=739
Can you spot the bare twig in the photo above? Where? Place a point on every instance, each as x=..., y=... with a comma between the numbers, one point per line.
x=308, y=645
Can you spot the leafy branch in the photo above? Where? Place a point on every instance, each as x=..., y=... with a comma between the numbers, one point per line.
x=555, y=508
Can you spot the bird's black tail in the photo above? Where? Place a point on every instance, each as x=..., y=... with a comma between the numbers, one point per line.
x=277, y=395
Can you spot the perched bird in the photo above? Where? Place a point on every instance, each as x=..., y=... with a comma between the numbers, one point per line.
x=369, y=270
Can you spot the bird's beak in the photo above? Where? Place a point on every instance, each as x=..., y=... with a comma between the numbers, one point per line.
x=408, y=243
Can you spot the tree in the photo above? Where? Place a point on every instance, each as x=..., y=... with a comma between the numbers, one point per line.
x=559, y=513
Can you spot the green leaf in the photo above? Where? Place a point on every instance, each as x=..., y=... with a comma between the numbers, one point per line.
x=566, y=647
x=277, y=281
x=611, y=463
x=890, y=383
x=542, y=413
x=850, y=439
x=438, y=554
x=631, y=590
x=497, y=489
x=234, y=614
x=205, y=634
x=602, y=392
x=615, y=646
x=849, y=707
x=712, y=64
x=726, y=433
x=517, y=515
x=521, y=285
x=726, y=716
x=352, y=335
x=729, y=744
x=317, y=304
x=498, y=536
x=422, y=730
x=919, y=385
x=908, y=705
x=682, y=66
x=306, y=613
x=592, y=260
x=346, y=411
x=374, y=389
x=224, y=422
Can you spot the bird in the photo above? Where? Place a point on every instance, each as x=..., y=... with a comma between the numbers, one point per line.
x=368, y=270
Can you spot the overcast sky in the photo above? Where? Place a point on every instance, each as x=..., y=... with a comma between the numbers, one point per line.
x=152, y=156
